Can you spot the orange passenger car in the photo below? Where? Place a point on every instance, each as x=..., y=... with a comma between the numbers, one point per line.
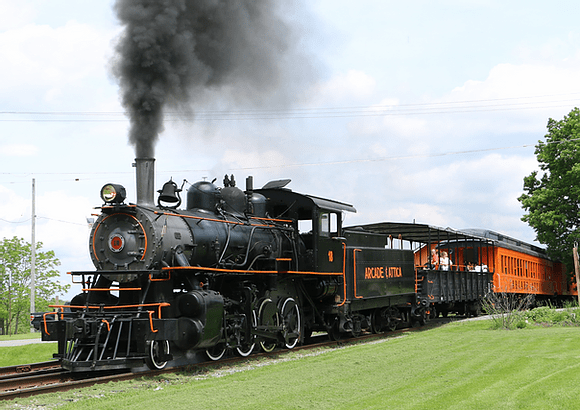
x=520, y=267
x=455, y=269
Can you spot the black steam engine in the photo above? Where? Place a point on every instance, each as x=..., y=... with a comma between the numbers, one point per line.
x=232, y=272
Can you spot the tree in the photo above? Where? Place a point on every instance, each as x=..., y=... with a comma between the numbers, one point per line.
x=15, y=283
x=552, y=198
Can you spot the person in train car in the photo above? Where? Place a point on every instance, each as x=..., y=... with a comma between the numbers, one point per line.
x=444, y=261
x=434, y=259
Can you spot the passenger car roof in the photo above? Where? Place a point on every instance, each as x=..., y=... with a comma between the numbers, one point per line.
x=419, y=233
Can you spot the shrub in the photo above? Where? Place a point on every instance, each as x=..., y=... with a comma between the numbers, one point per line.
x=505, y=309
x=553, y=317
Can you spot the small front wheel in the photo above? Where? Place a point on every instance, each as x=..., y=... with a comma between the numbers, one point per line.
x=157, y=353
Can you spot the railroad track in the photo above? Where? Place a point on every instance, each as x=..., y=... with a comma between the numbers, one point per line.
x=29, y=369
x=46, y=377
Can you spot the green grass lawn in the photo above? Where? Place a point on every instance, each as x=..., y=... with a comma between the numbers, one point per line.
x=20, y=336
x=458, y=366
x=32, y=353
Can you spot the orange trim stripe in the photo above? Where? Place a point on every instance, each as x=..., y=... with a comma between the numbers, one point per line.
x=354, y=272
x=251, y=271
x=272, y=219
x=160, y=305
x=107, y=289
x=343, y=274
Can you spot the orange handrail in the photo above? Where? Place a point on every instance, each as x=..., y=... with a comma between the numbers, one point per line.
x=160, y=280
x=159, y=306
x=44, y=319
x=107, y=289
x=151, y=321
x=354, y=272
x=343, y=274
x=107, y=323
x=250, y=271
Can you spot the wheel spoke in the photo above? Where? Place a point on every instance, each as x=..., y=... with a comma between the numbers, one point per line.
x=291, y=322
x=247, y=346
x=268, y=317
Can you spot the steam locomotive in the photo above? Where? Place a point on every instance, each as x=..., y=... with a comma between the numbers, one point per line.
x=232, y=272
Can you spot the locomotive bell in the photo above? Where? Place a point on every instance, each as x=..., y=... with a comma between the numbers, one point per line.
x=169, y=194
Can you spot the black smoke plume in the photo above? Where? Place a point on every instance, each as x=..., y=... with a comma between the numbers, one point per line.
x=172, y=51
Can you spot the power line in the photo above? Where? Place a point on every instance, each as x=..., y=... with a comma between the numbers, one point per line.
x=15, y=222
x=292, y=165
x=298, y=164
x=61, y=221
x=434, y=108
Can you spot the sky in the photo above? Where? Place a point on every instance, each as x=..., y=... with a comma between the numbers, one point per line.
x=424, y=111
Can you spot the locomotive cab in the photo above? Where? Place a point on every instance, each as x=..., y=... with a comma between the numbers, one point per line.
x=319, y=223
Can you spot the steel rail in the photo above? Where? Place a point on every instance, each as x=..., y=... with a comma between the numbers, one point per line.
x=26, y=386
x=27, y=369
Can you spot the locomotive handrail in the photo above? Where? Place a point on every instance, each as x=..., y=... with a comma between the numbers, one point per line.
x=44, y=320
x=354, y=272
x=107, y=289
x=151, y=321
x=107, y=323
x=113, y=207
x=159, y=306
x=169, y=268
x=343, y=274
x=159, y=280
x=272, y=219
x=224, y=220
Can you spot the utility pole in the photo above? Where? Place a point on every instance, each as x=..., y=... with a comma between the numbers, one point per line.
x=577, y=270
x=33, y=253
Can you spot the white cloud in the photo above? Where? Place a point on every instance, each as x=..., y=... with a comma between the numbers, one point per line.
x=524, y=80
x=347, y=89
x=18, y=150
x=13, y=212
x=14, y=14
x=48, y=65
x=248, y=159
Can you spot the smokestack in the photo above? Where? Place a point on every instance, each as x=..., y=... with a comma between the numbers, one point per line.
x=145, y=178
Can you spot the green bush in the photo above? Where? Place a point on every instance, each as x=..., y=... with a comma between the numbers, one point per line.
x=547, y=316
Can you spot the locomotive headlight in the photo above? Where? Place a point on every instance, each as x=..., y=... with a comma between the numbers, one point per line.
x=113, y=193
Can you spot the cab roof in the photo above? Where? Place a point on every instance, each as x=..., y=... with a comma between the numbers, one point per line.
x=283, y=202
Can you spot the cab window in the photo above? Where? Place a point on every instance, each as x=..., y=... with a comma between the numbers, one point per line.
x=328, y=224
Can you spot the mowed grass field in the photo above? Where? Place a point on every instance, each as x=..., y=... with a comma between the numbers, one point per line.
x=33, y=353
x=458, y=366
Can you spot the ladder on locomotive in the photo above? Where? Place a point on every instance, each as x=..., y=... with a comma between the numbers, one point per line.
x=94, y=350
